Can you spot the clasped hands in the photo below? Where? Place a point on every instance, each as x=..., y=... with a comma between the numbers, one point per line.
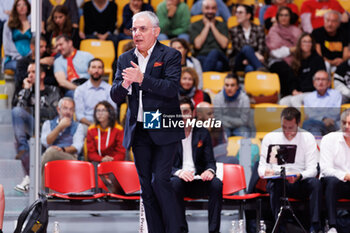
x=132, y=75
x=188, y=176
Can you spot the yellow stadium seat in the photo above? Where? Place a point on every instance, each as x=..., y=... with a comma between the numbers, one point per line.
x=345, y=4
x=121, y=44
x=120, y=4
x=165, y=42
x=103, y=50
x=298, y=3
x=81, y=24
x=122, y=112
x=233, y=145
x=267, y=117
x=196, y=18
x=8, y=72
x=213, y=81
x=155, y=3
x=264, y=87
x=344, y=107
x=232, y=21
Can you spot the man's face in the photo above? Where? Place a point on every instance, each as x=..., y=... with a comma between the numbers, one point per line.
x=172, y=2
x=289, y=128
x=331, y=23
x=136, y=4
x=345, y=125
x=205, y=112
x=66, y=109
x=209, y=9
x=64, y=47
x=230, y=86
x=31, y=73
x=186, y=112
x=96, y=70
x=321, y=82
x=144, y=33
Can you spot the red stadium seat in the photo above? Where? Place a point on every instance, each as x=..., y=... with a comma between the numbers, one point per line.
x=126, y=176
x=70, y=179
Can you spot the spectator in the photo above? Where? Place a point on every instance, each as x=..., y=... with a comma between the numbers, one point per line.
x=100, y=17
x=5, y=8
x=189, y=86
x=62, y=137
x=304, y=185
x=174, y=19
x=23, y=115
x=270, y=14
x=210, y=39
x=105, y=137
x=342, y=80
x=59, y=23
x=232, y=107
x=248, y=41
x=45, y=60
x=332, y=41
x=222, y=11
x=133, y=7
x=48, y=5
x=87, y=95
x=313, y=11
x=71, y=67
x=186, y=59
x=281, y=41
x=204, y=112
x=16, y=34
x=194, y=158
x=322, y=106
x=2, y=207
x=305, y=63
x=334, y=163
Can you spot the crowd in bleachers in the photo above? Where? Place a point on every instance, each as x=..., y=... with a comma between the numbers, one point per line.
x=231, y=37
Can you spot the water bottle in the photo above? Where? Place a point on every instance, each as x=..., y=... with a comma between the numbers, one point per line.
x=241, y=227
x=262, y=227
x=56, y=227
x=234, y=226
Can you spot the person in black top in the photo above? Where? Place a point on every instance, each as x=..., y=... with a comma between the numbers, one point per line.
x=306, y=62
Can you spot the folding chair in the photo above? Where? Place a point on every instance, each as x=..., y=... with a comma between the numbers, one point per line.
x=71, y=179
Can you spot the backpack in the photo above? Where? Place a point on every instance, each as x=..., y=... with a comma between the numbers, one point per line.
x=36, y=217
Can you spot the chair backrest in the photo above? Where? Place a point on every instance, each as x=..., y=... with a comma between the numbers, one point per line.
x=100, y=49
x=196, y=18
x=155, y=3
x=233, y=179
x=267, y=117
x=122, y=112
x=261, y=83
x=213, y=81
x=121, y=44
x=65, y=176
x=345, y=4
x=124, y=171
x=120, y=5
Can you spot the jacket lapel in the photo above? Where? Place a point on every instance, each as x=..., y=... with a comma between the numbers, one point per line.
x=155, y=56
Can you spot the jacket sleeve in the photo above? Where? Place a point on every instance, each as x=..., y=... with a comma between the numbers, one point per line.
x=91, y=147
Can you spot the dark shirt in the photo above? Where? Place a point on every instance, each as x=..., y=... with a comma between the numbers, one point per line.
x=70, y=4
x=127, y=15
x=100, y=22
x=308, y=68
x=331, y=46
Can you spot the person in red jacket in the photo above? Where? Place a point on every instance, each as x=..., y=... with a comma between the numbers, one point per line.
x=105, y=136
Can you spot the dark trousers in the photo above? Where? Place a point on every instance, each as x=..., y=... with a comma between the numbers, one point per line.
x=200, y=189
x=309, y=188
x=286, y=76
x=334, y=189
x=215, y=60
x=153, y=163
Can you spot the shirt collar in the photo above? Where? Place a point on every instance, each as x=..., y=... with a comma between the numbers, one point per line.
x=325, y=94
x=138, y=54
x=89, y=85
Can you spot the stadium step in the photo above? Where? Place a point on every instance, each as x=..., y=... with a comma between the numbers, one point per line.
x=8, y=150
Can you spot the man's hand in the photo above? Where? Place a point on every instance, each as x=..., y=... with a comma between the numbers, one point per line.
x=47, y=61
x=102, y=36
x=186, y=176
x=259, y=56
x=64, y=123
x=293, y=179
x=56, y=148
x=171, y=9
x=336, y=61
x=132, y=74
x=107, y=158
x=207, y=175
x=296, y=92
x=269, y=172
x=347, y=177
x=27, y=84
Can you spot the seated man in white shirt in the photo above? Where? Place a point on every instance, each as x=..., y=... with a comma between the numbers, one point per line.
x=304, y=185
x=194, y=170
x=335, y=167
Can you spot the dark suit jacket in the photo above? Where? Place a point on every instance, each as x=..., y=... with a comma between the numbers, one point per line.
x=202, y=152
x=160, y=88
